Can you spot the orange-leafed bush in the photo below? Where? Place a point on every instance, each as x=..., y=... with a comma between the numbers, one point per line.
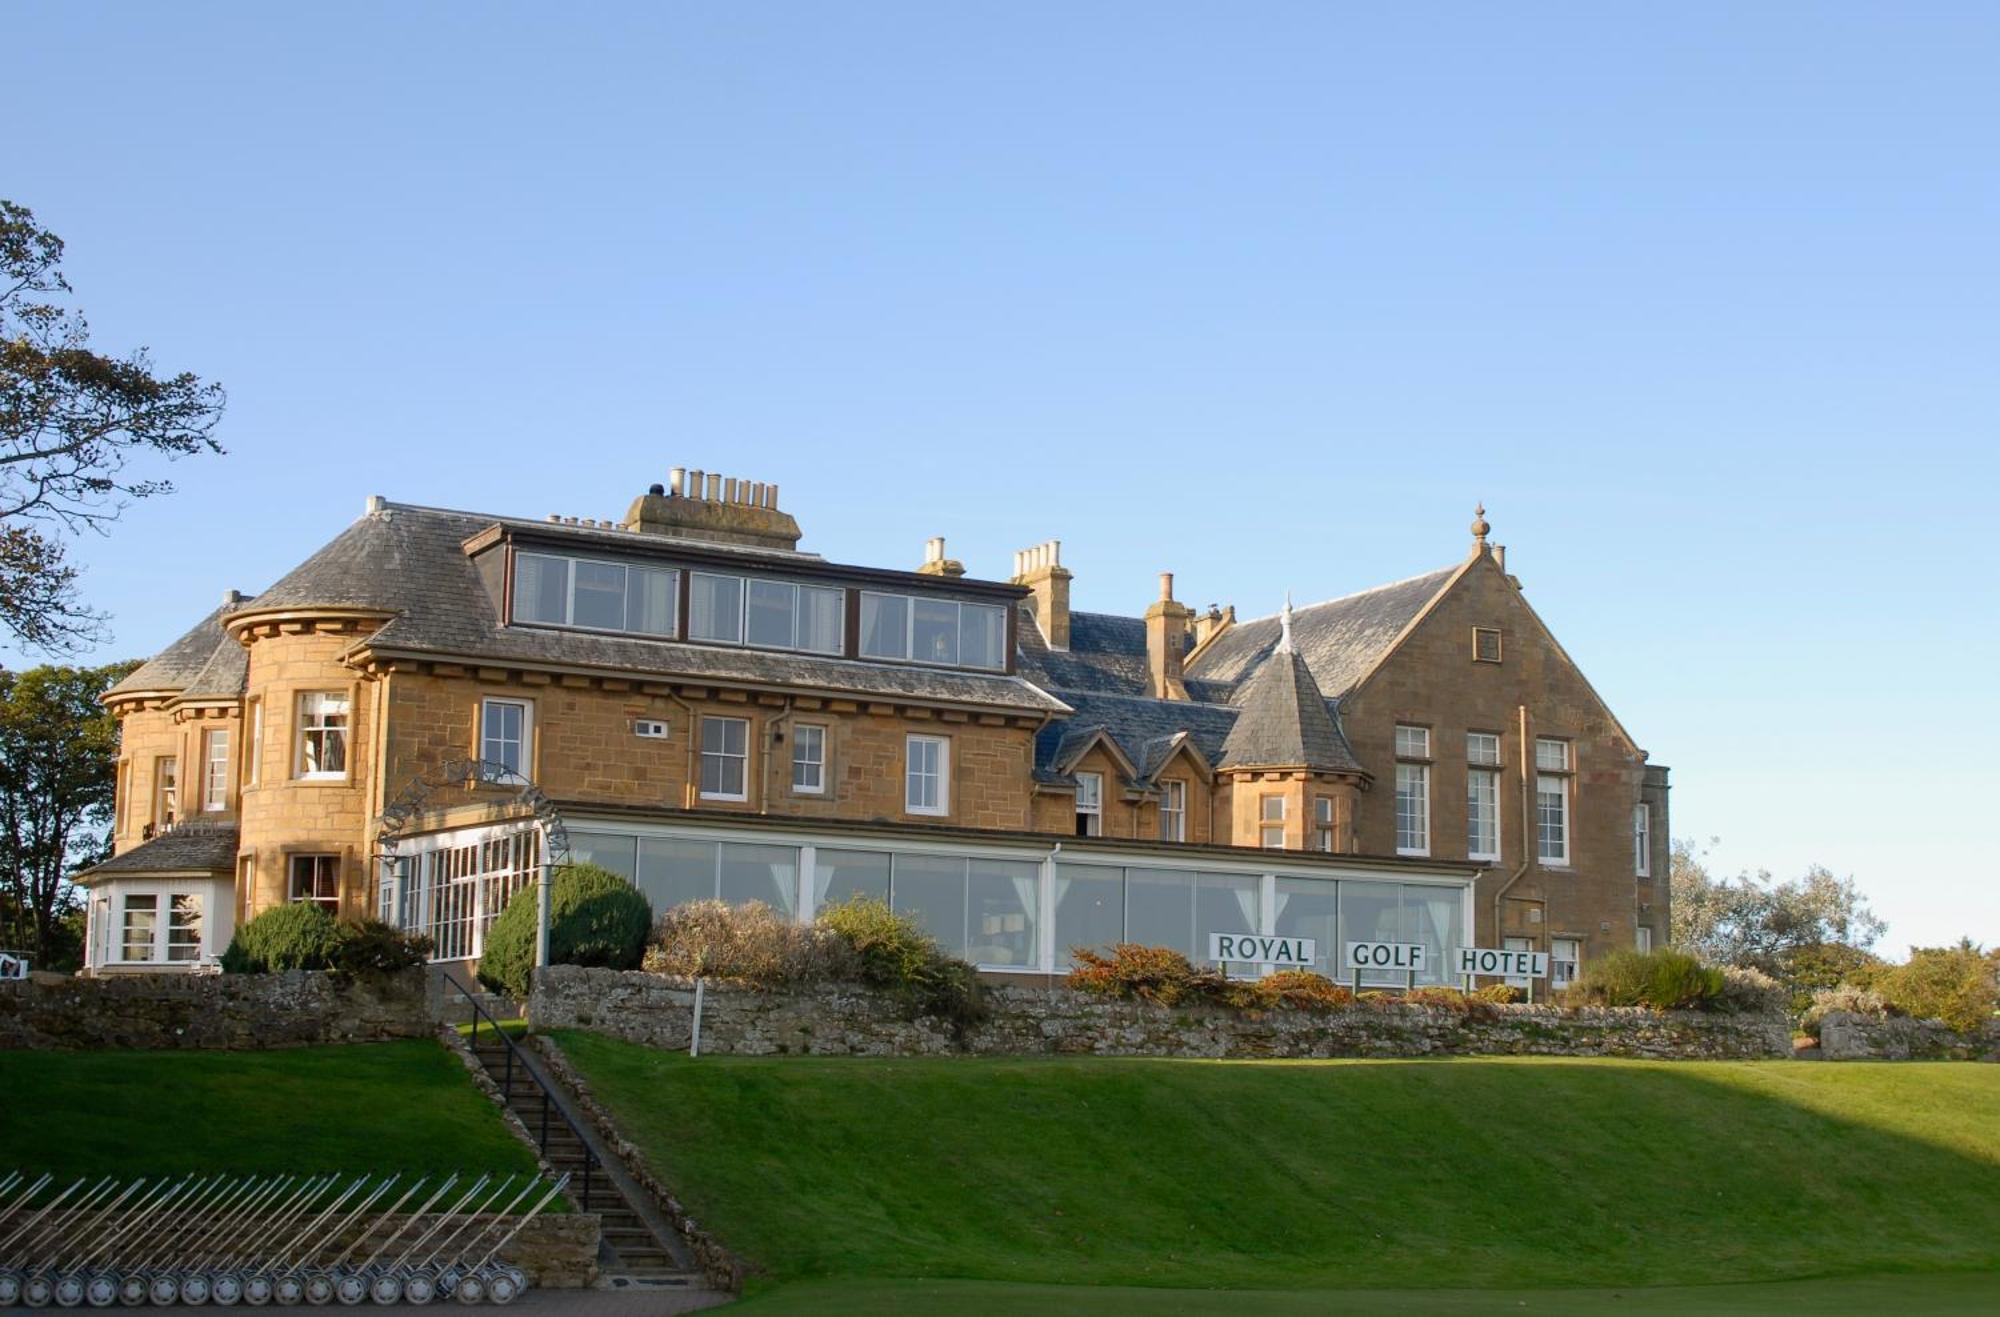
x=1157, y=974
x=1303, y=990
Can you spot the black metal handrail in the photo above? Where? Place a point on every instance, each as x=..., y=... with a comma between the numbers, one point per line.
x=550, y=1107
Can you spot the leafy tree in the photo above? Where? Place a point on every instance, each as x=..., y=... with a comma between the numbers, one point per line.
x=1959, y=985
x=72, y=424
x=58, y=777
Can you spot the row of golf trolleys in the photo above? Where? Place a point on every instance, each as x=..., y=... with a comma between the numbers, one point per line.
x=261, y=1239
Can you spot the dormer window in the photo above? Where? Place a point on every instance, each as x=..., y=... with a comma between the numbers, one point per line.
x=594, y=595
x=941, y=631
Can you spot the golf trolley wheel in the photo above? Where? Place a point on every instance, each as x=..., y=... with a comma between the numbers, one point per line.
x=287, y=1291
x=163, y=1291
x=350, y=1287
x=101, y=1292
x=257, y=1290
x=471, y=1288
x=36, y=1291
x=132, y=1291
x=319, y=1289
x=70, y=1288
x=501, y=1287
x=10, y=1289
x=226, y=1289
x=195, y=1290
x=385, y=1289
x=420, y=1289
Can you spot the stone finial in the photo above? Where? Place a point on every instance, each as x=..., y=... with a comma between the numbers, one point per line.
x=1285, y=626
x=1480, y=528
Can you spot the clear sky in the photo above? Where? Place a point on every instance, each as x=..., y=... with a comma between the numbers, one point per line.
x=1702, y=300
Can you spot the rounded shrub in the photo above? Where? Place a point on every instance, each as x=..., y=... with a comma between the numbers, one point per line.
x=369, y=946
x=300, y=935
x=596, y=918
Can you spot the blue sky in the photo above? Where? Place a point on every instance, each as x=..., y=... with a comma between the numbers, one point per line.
x=1702, y=300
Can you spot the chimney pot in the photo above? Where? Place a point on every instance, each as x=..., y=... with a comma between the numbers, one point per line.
x=676, y=478
x=1166, y=585
x=714, y=491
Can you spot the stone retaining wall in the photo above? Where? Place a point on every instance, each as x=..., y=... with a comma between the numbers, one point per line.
x=235, y=1011
x=838, y=1020
x=1844, y=1036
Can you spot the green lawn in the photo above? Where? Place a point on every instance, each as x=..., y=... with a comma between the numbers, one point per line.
x=1517, y=1174
x=1970, y=1294
x=401, y=1106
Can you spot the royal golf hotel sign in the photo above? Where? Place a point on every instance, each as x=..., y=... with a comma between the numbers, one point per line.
x=1255, y=949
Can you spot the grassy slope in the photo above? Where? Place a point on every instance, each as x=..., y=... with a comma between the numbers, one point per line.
x=377, y=1106
x=1520, y=1173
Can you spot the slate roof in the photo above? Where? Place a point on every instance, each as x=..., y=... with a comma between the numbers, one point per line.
x=1341, y=639
x=409, y=562
x=1143, y=728
x=1106, y=654
x=178, y=665
x=203, y=847
x=1284, y=721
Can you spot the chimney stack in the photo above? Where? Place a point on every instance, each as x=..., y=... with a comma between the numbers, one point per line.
x=705, y=505
x=1166, y=643
x=1040, y=569
x=935, y=563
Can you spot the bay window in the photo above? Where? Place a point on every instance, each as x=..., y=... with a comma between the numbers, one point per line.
x=1271, y=823
x=166, y=790
x=323, y=723
x=316, y=878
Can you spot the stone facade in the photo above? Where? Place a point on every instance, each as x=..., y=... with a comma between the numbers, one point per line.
x=1845, y=1036
x=1432, y=680
x=846, y=1021
x=216, y=1011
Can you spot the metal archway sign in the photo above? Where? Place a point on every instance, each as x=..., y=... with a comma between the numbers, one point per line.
x=394, y=823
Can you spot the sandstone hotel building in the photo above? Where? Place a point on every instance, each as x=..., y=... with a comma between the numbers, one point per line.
x=710, y=711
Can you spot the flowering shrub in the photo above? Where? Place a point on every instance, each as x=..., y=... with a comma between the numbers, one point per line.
x=1501, y=994
x=1303, y=990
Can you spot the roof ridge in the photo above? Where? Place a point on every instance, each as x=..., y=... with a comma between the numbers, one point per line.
x=1356, y=594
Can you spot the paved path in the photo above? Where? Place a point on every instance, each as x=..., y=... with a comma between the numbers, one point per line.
x=535, y=1303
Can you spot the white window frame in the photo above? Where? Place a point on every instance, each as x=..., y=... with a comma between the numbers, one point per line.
x=1413, y=788
x=916, y=775
x=813, y=735
x=1173, y=810
x=1479, y=811
x=1090, y=804
x=526, y=741
x=1271, y=822
x=166, y=790
x=256, y=750
x=214, y=770
x=1323, y=824
x=316, y=723
x=1557, y=961
x=166, y=913
x=1552, y=779
x=1642, y=839
x=1518, y=944
x=332, y=861
x=1642, y=939
x=724, y=755
x=124, y=928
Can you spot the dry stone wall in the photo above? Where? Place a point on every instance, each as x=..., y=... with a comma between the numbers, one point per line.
x=837, y=1020
x=228, y=1011
x=1844, y=1036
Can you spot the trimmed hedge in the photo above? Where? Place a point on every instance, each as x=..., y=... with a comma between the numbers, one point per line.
x=302, y=935
x=596, y=918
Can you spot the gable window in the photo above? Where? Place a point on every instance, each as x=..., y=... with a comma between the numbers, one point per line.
x=1090, y=804
x=215, y=769
x=1173, y=811
x=166, y=790
x=1642, y=839
x=927, y=762
x=725, y=758
x=1482, y=796
x=504, y=730
x=594, y=594
x=1565, y=959
x=322, y=734
x=1552, y=801
x=1413, y=791
x=1271, y=823
x=316, y=878
x=1323, y=823
x=1485, y=644
x=925, y=630
x=809, y=759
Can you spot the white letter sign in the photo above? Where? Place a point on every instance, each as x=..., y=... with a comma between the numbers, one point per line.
x=1254, y=949
x=1512, y=964
x=1386, y=955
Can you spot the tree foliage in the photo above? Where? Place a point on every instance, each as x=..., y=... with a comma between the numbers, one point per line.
x=77, y=428
x=58, y=778
x=1758, y=921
